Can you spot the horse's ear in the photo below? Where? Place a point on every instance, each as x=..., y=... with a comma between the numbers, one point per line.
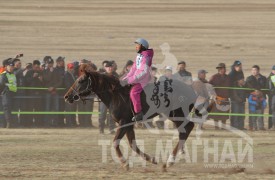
x=87, y=69
x=84, y=69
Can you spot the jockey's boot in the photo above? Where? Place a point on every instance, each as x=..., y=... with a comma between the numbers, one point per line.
x=138, y=116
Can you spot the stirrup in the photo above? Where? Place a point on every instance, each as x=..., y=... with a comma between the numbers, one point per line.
x=138, y=117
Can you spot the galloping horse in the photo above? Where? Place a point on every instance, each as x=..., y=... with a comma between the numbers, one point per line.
x=116, y=98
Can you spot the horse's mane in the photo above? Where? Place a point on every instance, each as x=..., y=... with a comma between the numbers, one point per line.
x=109, y=80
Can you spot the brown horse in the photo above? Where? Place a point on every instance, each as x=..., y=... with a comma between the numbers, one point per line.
x=116, y=98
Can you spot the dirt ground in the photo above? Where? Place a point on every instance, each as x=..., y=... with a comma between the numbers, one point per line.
x=79, y=154
x=202, y=32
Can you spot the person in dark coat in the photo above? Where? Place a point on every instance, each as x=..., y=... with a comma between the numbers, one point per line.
x=102, y=68
x=102, y=107
x=258, y=82
x=33, y=78
x=220, y=79
x=60, y=68
x=126, y=68
x=2, y=69
x=237, y=96
x=21, y=93
x=52, y=81
x=69, y=80
x=183, y=75
x=271, y=98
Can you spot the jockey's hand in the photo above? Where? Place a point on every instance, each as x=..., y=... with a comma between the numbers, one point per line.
x=124, y=82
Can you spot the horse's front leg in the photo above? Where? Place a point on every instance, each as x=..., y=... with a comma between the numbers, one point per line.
x=131, y=139
x=119, y=135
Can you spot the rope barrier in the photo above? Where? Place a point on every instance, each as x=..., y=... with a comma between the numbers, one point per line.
x=36, y=88
x=97, y=113
x=53, y=112
x=237, y=114
x=41, y=88
x=239, y=88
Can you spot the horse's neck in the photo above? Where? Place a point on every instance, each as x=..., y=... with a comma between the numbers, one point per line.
x=105, y=98
x=103, y=93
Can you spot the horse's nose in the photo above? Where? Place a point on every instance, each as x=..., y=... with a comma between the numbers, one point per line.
x=69, y=99
x=76, y=97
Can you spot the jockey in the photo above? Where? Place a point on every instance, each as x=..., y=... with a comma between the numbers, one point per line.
x=139, y=75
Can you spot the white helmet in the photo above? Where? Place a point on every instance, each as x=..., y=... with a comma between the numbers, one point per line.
x=142, y=42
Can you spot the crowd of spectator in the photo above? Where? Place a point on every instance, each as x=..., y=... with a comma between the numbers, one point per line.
x=40, y=87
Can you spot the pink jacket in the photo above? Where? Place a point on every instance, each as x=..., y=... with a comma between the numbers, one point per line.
x=141, y=69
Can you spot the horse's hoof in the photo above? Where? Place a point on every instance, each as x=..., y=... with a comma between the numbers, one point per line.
x=164, y=168
x=169, y=164
x=181, y=152
x=153, y=160
x=171, y=161
x=126, y=166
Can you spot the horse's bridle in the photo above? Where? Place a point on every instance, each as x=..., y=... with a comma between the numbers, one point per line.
x=77, y=95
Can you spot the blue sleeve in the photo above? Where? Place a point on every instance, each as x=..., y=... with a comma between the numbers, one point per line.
x=251, y=101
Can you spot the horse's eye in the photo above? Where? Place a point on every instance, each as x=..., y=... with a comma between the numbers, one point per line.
x=80, y=81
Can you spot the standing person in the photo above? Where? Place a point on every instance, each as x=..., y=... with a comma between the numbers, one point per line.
x=69, y=80
x=102, y=68
x=139, y=75
x=28, y=67
x=203, y=92
x=183, y=75
x=237, y=96
x=126, y=68
x=4, y=65
x=8, y=88
x=256, y=80
x=20, y=99
x=34, y=79
x=259, y=82
x=159, y=122
x=76, y=69
x=257, y=104
x=2, y=69
x=220, y=79
x=103, y=108
x=43, y=65
x=114, y=67
x=271, y=98
x=52, y=81
x=167, y=73
x=60, y=68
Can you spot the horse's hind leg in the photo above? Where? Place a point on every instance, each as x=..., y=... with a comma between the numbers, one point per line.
x=131, y=138
x=119, y=135
x=184, y=128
